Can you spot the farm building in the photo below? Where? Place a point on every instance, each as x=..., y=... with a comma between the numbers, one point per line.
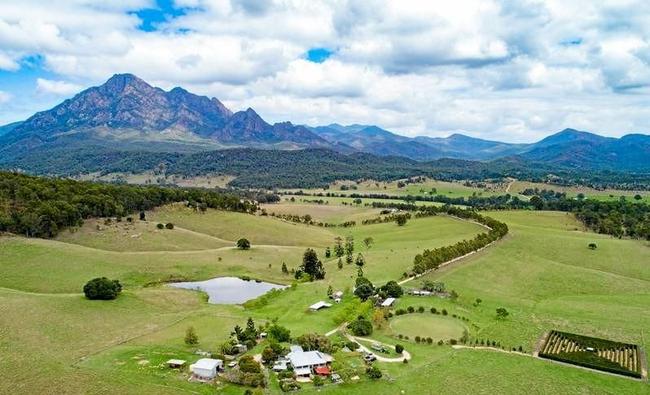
x=420, y=293
x=388, y=302
x=176, y=363
x=206, y=368
x=304, y=362
x=319, y=305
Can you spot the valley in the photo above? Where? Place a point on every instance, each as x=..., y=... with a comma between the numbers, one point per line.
x=542, y=273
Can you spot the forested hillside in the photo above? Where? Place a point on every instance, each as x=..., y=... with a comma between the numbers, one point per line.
x=41, y=207
x=257, y=168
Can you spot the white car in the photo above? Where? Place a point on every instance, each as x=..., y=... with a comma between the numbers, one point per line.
x=232, y=364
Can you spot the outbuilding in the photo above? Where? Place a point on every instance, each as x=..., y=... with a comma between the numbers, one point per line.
x=320, y=305
x=206, y=368
x=388, y=302
x=176, y=363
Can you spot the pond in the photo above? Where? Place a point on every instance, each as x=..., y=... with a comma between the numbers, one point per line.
x=229, y=290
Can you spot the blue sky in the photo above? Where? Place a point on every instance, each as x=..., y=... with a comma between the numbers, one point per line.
x=496, y=69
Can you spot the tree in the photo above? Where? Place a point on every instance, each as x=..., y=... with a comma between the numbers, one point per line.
x=311, y=265
x=368, y=242
x=330, y=291
x=318, y=381
x=268, y=355
x=360, y=261
x=328, y=253
x=592, y=246
x=284, y=268
x=392, y=289
x=160, y=226
x=364, y=291
x=453, y=295
x=243, y=244
x=537, y=202
x=348, y=258
x=191, y=337
x=401, y=219
x=143, y=216
x=250, y=333
x=339, y=264
x=169, y=225
x=378, y=318
x=502, y=313
x=102, y=288
x=338, y=247
x=314, y=341
x=638, y=197
x=247, y=364
x=349, y=245
x=399, y=348
x=360, y=327
x=373, y=372
x=279, y=333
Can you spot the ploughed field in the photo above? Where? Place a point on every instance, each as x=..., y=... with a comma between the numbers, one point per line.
x=542, y=273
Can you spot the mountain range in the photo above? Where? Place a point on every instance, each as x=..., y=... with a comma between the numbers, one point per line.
x=128, y=114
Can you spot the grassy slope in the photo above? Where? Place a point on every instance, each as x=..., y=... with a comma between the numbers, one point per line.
x=232, y=226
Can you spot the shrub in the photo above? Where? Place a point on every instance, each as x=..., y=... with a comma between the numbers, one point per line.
x=420, y=309
x=160, y=226
x=440, y=342
x=453, y=342
x=399, y=348
x=318, y=381
x=502, y=313
x=191, y=338
x=429, y=340
x=373, y=372
x=410, y=309
x=444, y=312
x=102, y=288
x=418, y=339
x=243, y=244
x=434, y=310
x=352, y=346
x=400, y=312
x=169, y=225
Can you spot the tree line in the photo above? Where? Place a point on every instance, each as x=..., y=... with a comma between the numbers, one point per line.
x=42, y=207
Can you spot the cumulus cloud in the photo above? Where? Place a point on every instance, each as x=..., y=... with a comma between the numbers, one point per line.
x=62, y=88
x=506, y=69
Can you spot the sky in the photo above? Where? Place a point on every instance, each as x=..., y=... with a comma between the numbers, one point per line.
x=510, y=70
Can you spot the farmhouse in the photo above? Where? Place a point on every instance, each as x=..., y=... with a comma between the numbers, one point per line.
x=206, y=368
x=304, y=362
x=388, y=302
x=320, y=305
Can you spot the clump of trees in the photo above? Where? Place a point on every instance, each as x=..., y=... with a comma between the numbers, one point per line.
x=42, y=207
x=391, y=289
x=102, y=288
x=311, y=268
x=363, y=288
x=314, y=341
x=361, y=326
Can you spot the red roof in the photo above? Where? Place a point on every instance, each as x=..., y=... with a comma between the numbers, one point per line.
x=322, y=370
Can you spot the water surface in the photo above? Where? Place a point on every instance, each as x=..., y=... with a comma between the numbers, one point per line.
x=229, y=290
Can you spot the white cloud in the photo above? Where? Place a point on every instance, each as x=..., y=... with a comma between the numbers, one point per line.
x=4, y=97
x=508, y=69
x=62, y=88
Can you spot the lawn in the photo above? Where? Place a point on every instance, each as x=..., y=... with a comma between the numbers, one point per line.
x=427, y=325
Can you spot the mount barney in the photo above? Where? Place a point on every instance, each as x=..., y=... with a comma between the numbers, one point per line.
x=127, y=114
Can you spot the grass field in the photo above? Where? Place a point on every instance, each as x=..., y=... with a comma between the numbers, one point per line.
x=427, y=325
x=330, y=213
x=542, y=273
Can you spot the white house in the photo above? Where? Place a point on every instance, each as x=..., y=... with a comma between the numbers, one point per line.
x=304, y=362
x=206, y=368
x=319, y=305
x=388, y=302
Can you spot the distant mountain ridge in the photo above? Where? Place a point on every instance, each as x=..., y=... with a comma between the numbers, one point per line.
x=128, y=114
